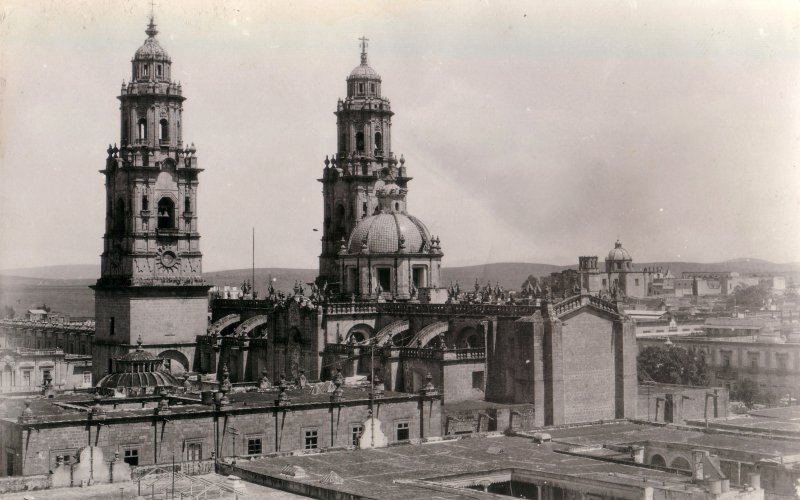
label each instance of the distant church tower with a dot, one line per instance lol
(151, 287)
(364, 194)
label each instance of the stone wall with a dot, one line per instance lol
(156, 439)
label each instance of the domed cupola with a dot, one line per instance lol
(363, 80)
(138, 373)
(151, 62)
(618, 259)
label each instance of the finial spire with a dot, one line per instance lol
(151, 28)
(364, 41)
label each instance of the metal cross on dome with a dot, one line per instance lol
(364, 41)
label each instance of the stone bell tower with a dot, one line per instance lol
(364, 157)
(151, 286)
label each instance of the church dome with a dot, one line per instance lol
(364, 71)
(618, 253)
(151, 49)
(384, 232)
(138, 372)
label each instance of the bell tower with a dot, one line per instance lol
(151, 285)
(364, 157)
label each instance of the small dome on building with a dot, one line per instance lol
(151, 49)
(138, 372)
(364, 71)
(384, 232)
(619, 253)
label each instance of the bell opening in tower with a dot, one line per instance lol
(166, 213)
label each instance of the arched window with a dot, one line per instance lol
(658, 460)
(142, 129)
(360, 141)
(680, 463)
(187, 204)
(166, 213)
(158, 70)
(397, 206)
(378, 141)
(163, 130)
(145, 202)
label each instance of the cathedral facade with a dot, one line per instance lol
(151, 285)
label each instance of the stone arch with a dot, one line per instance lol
(175, 361)
(248, 327)
(428, 333)
(223, 323)
(390, 330)
(658, 461)
(681, 463)
(469, 337)
(359, 333)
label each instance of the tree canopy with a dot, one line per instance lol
(749, 297)
(672, 365)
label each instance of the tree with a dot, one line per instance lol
(672, 365)
(749, 297)
(745, 391)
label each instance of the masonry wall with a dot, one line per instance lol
(157, 439)
(588, 367)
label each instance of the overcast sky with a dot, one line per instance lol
(534, 131)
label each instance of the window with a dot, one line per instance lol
(372, 87)
(26, 377)
(194, 451)
(378, 141)
(145, 202)
(418, 275)
(187, 204)
(310, 440)
(46, 374)
(9, 463)
(111, 326)
(397, 206)
(726, 360)
(781, 358)
(158, 70)
(364, 209)
(356, 430)
(754, 360)
(144, 70)
(401, 431)
(385, 278)
(360, 88)
(360, 141)
(87, 378)
(163, 130)
(166, 213)
(142, 129)
(131, 456)
(477, 380)
(254, 446)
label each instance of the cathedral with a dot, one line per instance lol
(372, 248)
(151, 287)
(377, 310)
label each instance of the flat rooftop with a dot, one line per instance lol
(395, 472)
(629, 433)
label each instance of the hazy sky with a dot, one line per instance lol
(534, 131)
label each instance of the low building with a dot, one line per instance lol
(24, 370)
(147, 430)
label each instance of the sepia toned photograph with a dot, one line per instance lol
(389, 250)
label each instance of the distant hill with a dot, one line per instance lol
(76, 271)
(66, 288)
